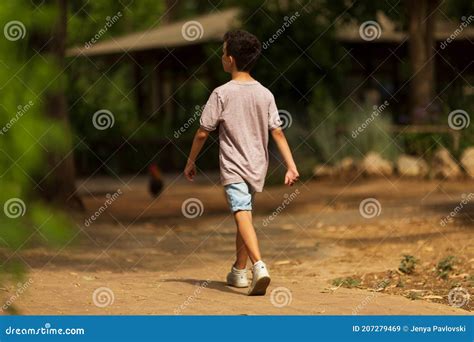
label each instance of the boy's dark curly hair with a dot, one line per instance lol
(244, 47)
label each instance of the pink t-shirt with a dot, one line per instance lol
(244, 113)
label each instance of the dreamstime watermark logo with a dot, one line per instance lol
(191, 298)
(20, 112)
(370, 208)
(286, 202)
(458, 297)
(449, 218)
(14, 30)
(47, 329)
(281, 297)
(283, 119)
(103, 119)
(370, 30)
(20, 288)
(192, 30)
(108, 202)
(103, 296)
(192, 208)
(14, 208)
(458, 119)
(465, 22)
(288, 21)
(196, 115)
(109, 22)
(375, 113)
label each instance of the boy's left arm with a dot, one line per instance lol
(198, 142)
(292, 174)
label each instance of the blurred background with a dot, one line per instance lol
(110, 88)
(150, 65)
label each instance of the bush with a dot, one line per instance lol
(408, 264)
(445, 266)
(26, 141)
(376, 136)
(342, 132)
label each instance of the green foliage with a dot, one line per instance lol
(27, 137)
(325, 122)
(376, 136)
(445, 266)
(302, 72)
(99, 89)
(98, 83)
(408, 264)
(340, 131)
(426, 143)
(86, 18)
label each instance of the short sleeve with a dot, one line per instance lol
(211, 114)
(274, 120)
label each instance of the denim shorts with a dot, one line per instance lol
(239, 196)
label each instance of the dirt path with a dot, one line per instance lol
(153, 260)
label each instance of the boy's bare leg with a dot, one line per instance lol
(241, 252)
(243, 219)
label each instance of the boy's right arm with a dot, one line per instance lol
(198, 142)
(292, 174)
(209, 121)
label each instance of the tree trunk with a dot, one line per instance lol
(431, 19)
(59, 183)
(421, 26)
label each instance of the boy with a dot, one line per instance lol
(245, 111)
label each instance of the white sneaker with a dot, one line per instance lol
(237, 278)
(261, 279)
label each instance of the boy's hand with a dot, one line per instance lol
(291, 176)
(190, 171)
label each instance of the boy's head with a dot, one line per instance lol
(241, 50)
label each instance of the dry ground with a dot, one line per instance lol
(153, 260)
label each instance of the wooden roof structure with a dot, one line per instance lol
(350, 32)
(212, 27)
